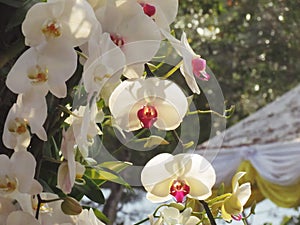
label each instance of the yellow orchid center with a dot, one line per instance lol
(38, 75)
(147, 115)
(7, 184)
(18, 126)
(98, 78)
(179, 189)
(52, 29)
(44, 207)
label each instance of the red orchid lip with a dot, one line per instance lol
(179, 189)
(147, 115)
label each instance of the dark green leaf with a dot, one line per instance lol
(101, 216)
(91, 190)
(101, 175)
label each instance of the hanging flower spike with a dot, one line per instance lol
(139, 103)
(233, 205)
(132, 31)
(184, 175)
(70, 22)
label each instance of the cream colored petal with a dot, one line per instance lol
(24, 170)
(170, 213)
(168, 116)
(243, 193)
(226, 216)
(198, 189)
(232, 205)
(155, 176)
(157, 199)
(64, 181)
(17, 78)
(20, 218)
(32, 25)
(186, 71)
(61, 63)
(235, 181)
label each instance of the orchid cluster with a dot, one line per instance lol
(103, 54)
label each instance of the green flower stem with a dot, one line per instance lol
(142, 221)
(208, 212)
(173, 70)
(81, 54)
(218, 198)
(230, 111)
(146, 219)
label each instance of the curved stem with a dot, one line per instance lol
(173, 70)
(81, 54)
(208, 212)
(218, 198)
(230, 110)
(142, 221)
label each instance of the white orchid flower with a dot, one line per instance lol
(179, 176)
(7, 205)
(50, 213)
(193, 65)
(30, 110)
(70, 22)
(43, 68)
(233, 205)
(105, 63)
(130, 29)
(84, 124)
(148, 102)
(87, 217)
(17, 178)
(20, 218)
(172, 216)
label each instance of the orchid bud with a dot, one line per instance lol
(71, 206)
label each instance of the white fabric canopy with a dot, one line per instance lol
(269, 139)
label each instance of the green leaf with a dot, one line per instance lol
(91, 190)
(101, 175)
(116, 166)
(101, 216)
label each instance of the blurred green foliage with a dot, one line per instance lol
(252, 47)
